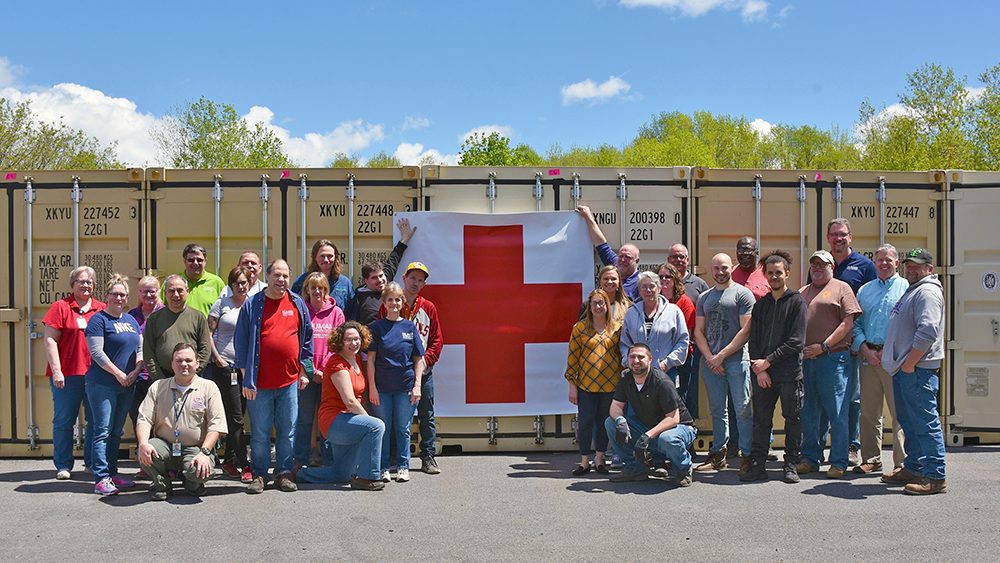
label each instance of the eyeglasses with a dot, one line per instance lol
(84, 282)
(148, 291)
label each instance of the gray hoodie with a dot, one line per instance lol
(917, 321)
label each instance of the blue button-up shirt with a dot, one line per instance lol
(877, 298)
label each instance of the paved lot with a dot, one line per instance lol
(512, 507)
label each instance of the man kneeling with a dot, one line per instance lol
(648, 417)
(185, 416)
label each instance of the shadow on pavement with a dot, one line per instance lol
(851, 491)
(651, 486)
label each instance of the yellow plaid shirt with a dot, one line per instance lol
(595, 362)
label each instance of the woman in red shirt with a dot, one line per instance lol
(672, 287)
(68, 360)
(355, 438)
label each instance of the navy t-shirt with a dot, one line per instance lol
(856, 270)
(121, 340)
(395, 343)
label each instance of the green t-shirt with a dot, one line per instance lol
(202, 294)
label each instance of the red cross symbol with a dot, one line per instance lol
(495, 313)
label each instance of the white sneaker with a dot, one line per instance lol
(403, 475)
(62, 474)
(385, 477)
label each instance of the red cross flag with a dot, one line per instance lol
(508, 289)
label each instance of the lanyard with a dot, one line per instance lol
(179, 411)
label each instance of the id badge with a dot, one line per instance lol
(81, 323)
(176, 452)
(232, 378)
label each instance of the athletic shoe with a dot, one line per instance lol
(384, 477)
(790, 474)
(429, 466)
(105, 487)
(122, 483)
(285, 484)
(926, 487)
(256, 486)
(403, 475)
(63, 474)
(246, 474)
(853, 457)
(160, 495)
(230, 470)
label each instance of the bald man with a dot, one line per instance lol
(722, 328)
(627, 259)
(693, 285)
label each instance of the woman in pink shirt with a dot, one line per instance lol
(325, 315)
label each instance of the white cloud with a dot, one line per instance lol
(410, 154)
(751, 10)
(762, 127)
(975, 92)
(8, 72)
(589, 91)
(754, 11)
(415, 122)
(861, 129)
(504, 130)
(317, 149)
(107, 118)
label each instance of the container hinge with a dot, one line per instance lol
(575, 192)
(29, 190)
(217, 188)
(265, 192)
(539, 426)
(303, 188)
(758, 194)
(491, 187)
(880, 192)
(351, 191)
(801, 195)
(838, 190)
(622, 191)
(492, 427)
(538, 192)
(76, 195)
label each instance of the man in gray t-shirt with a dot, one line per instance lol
(722, 327)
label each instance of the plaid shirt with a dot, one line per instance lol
(594, 363)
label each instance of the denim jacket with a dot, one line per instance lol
(247, 338)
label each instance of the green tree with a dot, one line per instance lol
(341, 160)
(493, 149)
(986, 121)
(209, 134)
(383, 159)
(27, 143)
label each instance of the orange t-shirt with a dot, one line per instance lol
(331, 403)
(828, 307)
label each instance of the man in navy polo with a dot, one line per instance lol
(854, 269)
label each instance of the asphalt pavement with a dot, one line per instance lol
(506, 507)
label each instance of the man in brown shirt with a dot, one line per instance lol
(826, 361)
(180, 421)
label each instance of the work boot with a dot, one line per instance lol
(745, 464)
(901, 476)
(256, 486)
(806, 467)
(790, 474)
(926, 487)
(715, 462)
(753, 472)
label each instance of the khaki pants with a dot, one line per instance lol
(158, 472)
(876, 384)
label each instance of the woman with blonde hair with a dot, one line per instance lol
(609, 279)
(114, 342)
(592, 370)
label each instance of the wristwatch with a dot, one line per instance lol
(826, 348)
(206, 451)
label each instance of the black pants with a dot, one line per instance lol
(235, 405)
(764, 400)
(141, 389)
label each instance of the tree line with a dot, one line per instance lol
(938, 123)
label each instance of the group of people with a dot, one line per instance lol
(337, 372)
(831, 352)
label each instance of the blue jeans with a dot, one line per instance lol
(308, 403)
(66, 406)
(277, 408)
(735, 385)
(915, 395)
(825, 380)
(687, 376)
(395, 410)
(425, 416)
(109, 406)
(592, 409)
(356, 443)
(672, 444)
(854, 410)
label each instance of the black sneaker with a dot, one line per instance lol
(429, 466)
(754, 472)
(790, 475)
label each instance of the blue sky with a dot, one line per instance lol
(413, 78)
